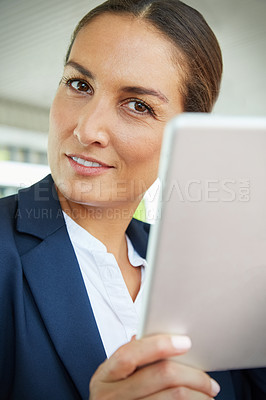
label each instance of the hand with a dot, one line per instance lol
(141, 370)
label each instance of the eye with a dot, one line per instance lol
(139, 107)
(79, 85)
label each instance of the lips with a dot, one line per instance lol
(88, 161)
(86, 166)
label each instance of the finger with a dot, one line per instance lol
(138, 353)
(167, 374)
(178, 394)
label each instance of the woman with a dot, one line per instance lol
(73, 260)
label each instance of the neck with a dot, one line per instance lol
(109, 226)
(106, 224)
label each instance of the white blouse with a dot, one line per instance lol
(117, 316)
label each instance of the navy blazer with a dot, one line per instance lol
(49, 341)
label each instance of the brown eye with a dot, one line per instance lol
(138, 106)
(80, 86)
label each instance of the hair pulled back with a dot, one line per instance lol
(201, 59)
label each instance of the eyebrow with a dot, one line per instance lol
(79, 68)
(132, 89)
(147, 91)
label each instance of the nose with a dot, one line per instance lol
(94, 124)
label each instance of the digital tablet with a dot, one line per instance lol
(206, 274)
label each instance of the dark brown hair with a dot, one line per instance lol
(201, 59)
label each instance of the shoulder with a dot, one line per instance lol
(8, 204)
(24, 221)
(8, 218)
(8, 211)
(9, 260)
(10, 264)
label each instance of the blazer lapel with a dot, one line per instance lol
(56, 283)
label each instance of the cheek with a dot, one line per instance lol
(57, 127)
(150, 148)
(141, 144)
(53, 135)
(60, 124)
(58, 117)
(144, 159)
(153, 151)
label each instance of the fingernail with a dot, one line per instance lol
(215, 387)
(181, 342)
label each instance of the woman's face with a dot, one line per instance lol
(119, 88)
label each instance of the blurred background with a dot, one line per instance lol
(34, 37)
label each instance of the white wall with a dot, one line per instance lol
(240, 26)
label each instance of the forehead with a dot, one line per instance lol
(124, 46)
